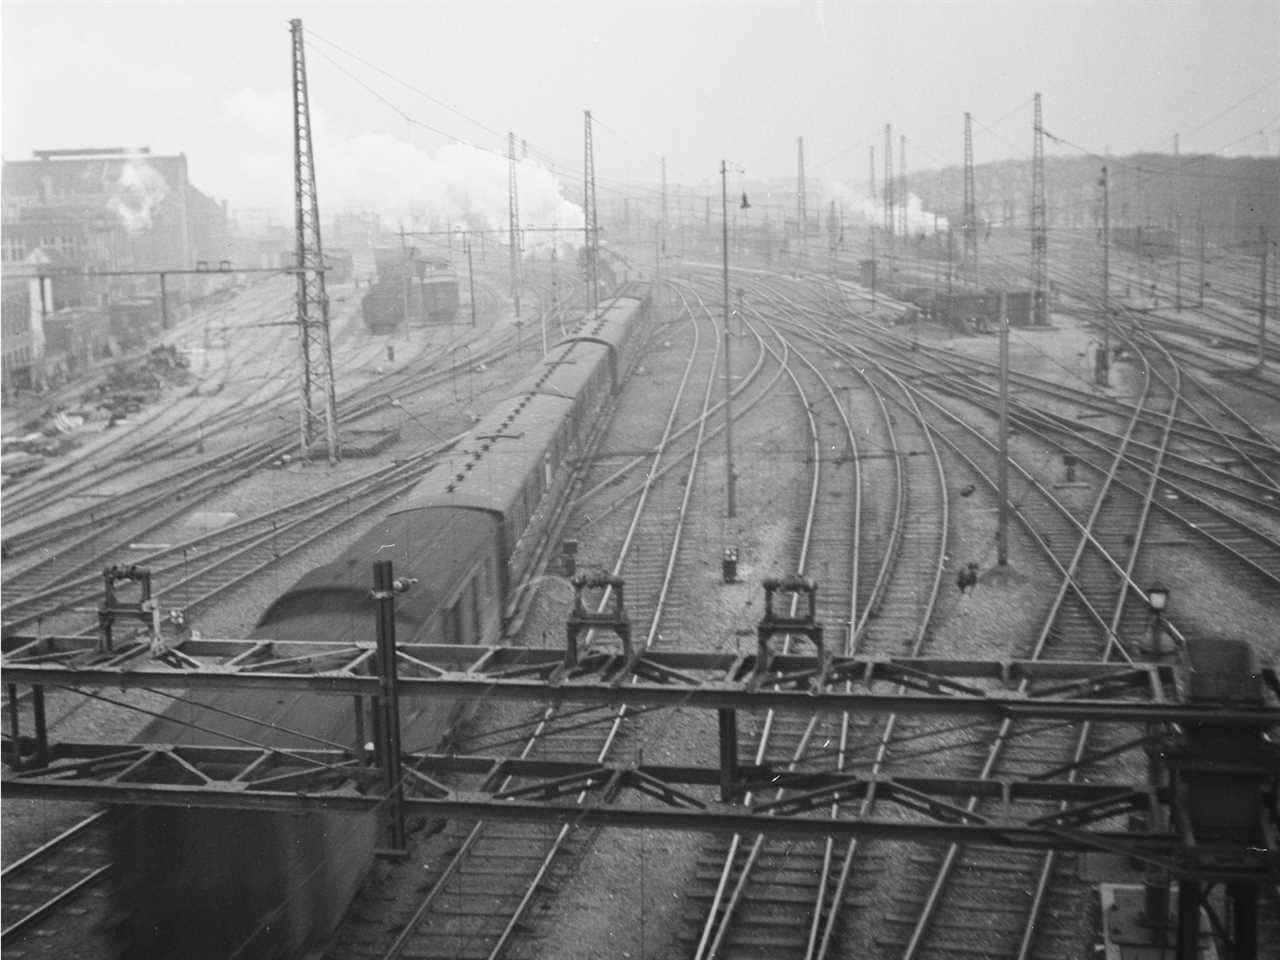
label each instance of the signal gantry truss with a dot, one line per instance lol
(1146, 697)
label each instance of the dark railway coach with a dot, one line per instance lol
(423, 289)
(202, 883)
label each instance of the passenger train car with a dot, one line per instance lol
(199, 883)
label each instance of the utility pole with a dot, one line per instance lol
(319, 412)
(871, 191)
(1002, 517)
(662, 221)
(832, 235)
(802, 201)
(732, 508)
(555, 265)
(970, 226)
(471, 281)
(1039, 223)
(1262, 304)
(871, 180)
(592, 231)
(875, 270)
(513, 221)
(1103, 373)
(902, 192)
(889, 206)
(1200, 278)
(1177, 225)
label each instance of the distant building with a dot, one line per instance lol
(67, 211)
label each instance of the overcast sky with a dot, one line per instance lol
(693, 81)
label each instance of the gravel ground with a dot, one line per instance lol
(625, 900)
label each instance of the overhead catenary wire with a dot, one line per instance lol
(554, 165)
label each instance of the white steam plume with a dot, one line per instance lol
(136, 195)
(919, 220)
(458, 186)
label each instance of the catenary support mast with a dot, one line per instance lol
(902, 192)
(888, 183)
(318, 414)
(592, 233)
(1039, 222)
(970, 224)
(513, 220)
(802, 199)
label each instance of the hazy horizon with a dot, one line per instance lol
(402, 93)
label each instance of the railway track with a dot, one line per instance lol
(87, 538)
(427, 927)
(55, 876)
(486, 885)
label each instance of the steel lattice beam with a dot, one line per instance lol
(1061, 690)
(925, 808)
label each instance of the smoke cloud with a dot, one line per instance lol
(457, 186)
(136, 195)
(919, 220)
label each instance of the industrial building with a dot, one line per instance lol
(106, 210)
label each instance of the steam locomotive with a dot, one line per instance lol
(218, 883)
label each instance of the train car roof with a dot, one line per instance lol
(564, 371)
(487, 469)
(432, 546)
(611, 326)
(610, 318)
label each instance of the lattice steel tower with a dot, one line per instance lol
(318, 415)
(1039, 222)
(513, 220)
(591, 223)
(970, 224)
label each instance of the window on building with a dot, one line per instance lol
(14, 248)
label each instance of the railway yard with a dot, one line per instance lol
(860, 460)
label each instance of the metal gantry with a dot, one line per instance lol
(319, 412)
(1204, 727)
